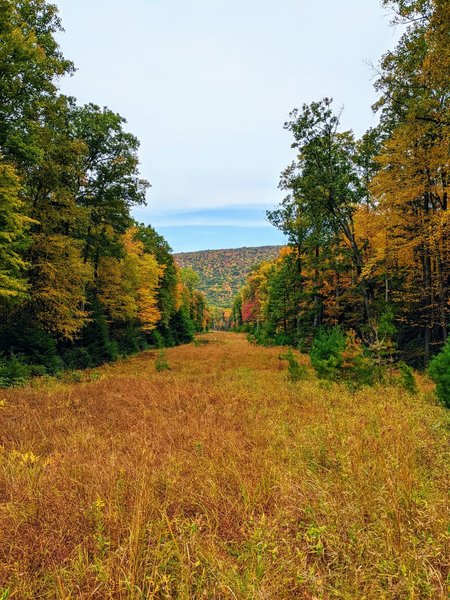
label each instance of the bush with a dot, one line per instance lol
(155, 339)
(161, 363)
(339, 356)
(251, 338)
(357, 368)
(439, 371)
(36, 347)
(200, 342)
(38, 371)
(129, 338)
(77, 358)
(407, 379)
(283, 339)
(13, 371)
(326, 353)
(182, 327)
(296, 371)
(96, 341)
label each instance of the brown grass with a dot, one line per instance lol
(220, 479)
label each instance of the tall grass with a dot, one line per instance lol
(221, 479)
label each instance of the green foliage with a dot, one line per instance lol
(326, 352)
(182, 328)
(129, 338)
(357, 368)
(296, 371)
(198, 342)
(4, 593)
(39, 347)
(381, 342)
(407, 379)
(337, 356)
(80, 281)
(439, 371)
(77, 358)
(13, 371)
(96, 339)
(12, 222)
(161, 363)
(156, 340)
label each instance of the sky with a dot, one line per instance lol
(206, 86)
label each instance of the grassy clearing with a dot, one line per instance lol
(219, 478)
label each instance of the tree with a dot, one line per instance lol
(110, 185)
(30, 65)
(412, 184)
(168, 293)
(59, 277)
(12, 222)
(327, 185)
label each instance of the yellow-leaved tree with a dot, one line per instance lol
(12, 221)
(128, 287)
(59, 277)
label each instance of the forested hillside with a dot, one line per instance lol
(222, 272)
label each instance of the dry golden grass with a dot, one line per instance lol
(220, 479)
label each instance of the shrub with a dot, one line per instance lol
(39, 347)
(161, 363)
(182, 327)
(155, 339)
(439, 371)
(380, 339)
(357, 368)
(38, 371)
(407, 379)
(296, 371)
(251, 338)
(283, 339)
(13, 371)
(339, 356)
(326, 353)
(96, 340)
(129, 338)
(77, 358)
(200, 342)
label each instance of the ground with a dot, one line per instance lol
(220, 479)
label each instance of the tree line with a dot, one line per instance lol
(80, 281)
(367, 219)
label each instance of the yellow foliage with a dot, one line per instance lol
(150, 274)
(128, 286)
(60, 278)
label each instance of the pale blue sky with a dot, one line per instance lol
(206, 85)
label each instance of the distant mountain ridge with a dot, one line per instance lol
(223, 272)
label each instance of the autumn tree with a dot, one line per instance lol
(412, 185)
(327, 184)
(12, 222)
(111, 184)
